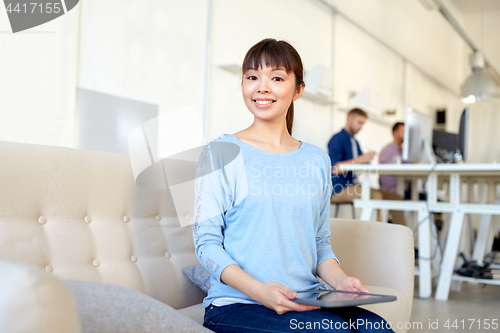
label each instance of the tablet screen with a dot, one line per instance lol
(335, 298)
(329, 296)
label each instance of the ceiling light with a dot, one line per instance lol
(479, 86)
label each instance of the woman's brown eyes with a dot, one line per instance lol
(251, 77)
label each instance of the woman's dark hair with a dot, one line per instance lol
(276, 54)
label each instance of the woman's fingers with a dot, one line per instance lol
(289, 305)
(364, 290)
(352, 284)
(285, 304)
(290, 294)
(359, 286)
(304, 307)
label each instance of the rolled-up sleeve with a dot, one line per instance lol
(212, 201)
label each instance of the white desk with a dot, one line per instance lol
(456, 174)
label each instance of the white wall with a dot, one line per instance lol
(484, 119)
(483, 30)
(421, 36)
(154, 51)
(151, 51)
(37, 81)
(361, 61)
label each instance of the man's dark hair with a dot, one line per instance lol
(396, 126)
(358, 112)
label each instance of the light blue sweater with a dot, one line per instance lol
(268, 213)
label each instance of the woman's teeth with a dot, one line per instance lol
(263, 102)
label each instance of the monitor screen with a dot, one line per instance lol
(445, 146)
(444, 140)
(418, 137)
(463, 133)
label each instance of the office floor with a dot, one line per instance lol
(473, 305)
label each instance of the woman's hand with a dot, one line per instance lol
(277, 297)
(348, 283)
(330, 271)
(272, 295)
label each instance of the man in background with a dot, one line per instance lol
(344, 148)
(392, 153)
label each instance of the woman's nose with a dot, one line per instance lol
(263, 87)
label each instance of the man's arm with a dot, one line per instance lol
(365, 158)
(362, 159)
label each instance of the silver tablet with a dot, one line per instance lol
(335, 298)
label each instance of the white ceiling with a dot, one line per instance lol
(474, 6)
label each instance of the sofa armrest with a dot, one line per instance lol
(379, 254)
(32, 300)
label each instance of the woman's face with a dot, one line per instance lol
(268, 92)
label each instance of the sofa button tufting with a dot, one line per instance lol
(87, 219)
(126, 219)
(187, 217)
(42, 220)
(96, 263)
(49, 269)
(133, 258)
(168, 255)
(158, 218)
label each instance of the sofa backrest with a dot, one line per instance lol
(80, 215)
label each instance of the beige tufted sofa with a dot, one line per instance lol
(68, 214)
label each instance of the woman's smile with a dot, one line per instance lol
(263, 103)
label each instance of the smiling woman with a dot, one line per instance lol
(273, 75)
(262, 226)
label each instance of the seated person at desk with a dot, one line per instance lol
(392, 153)
(343, 148)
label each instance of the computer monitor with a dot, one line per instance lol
(463, 134)
(445, 145)
(444, 140)
(418, 137)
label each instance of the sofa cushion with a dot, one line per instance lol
(111, 308)
(199, 275)
(195, 312)
(32, 300)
